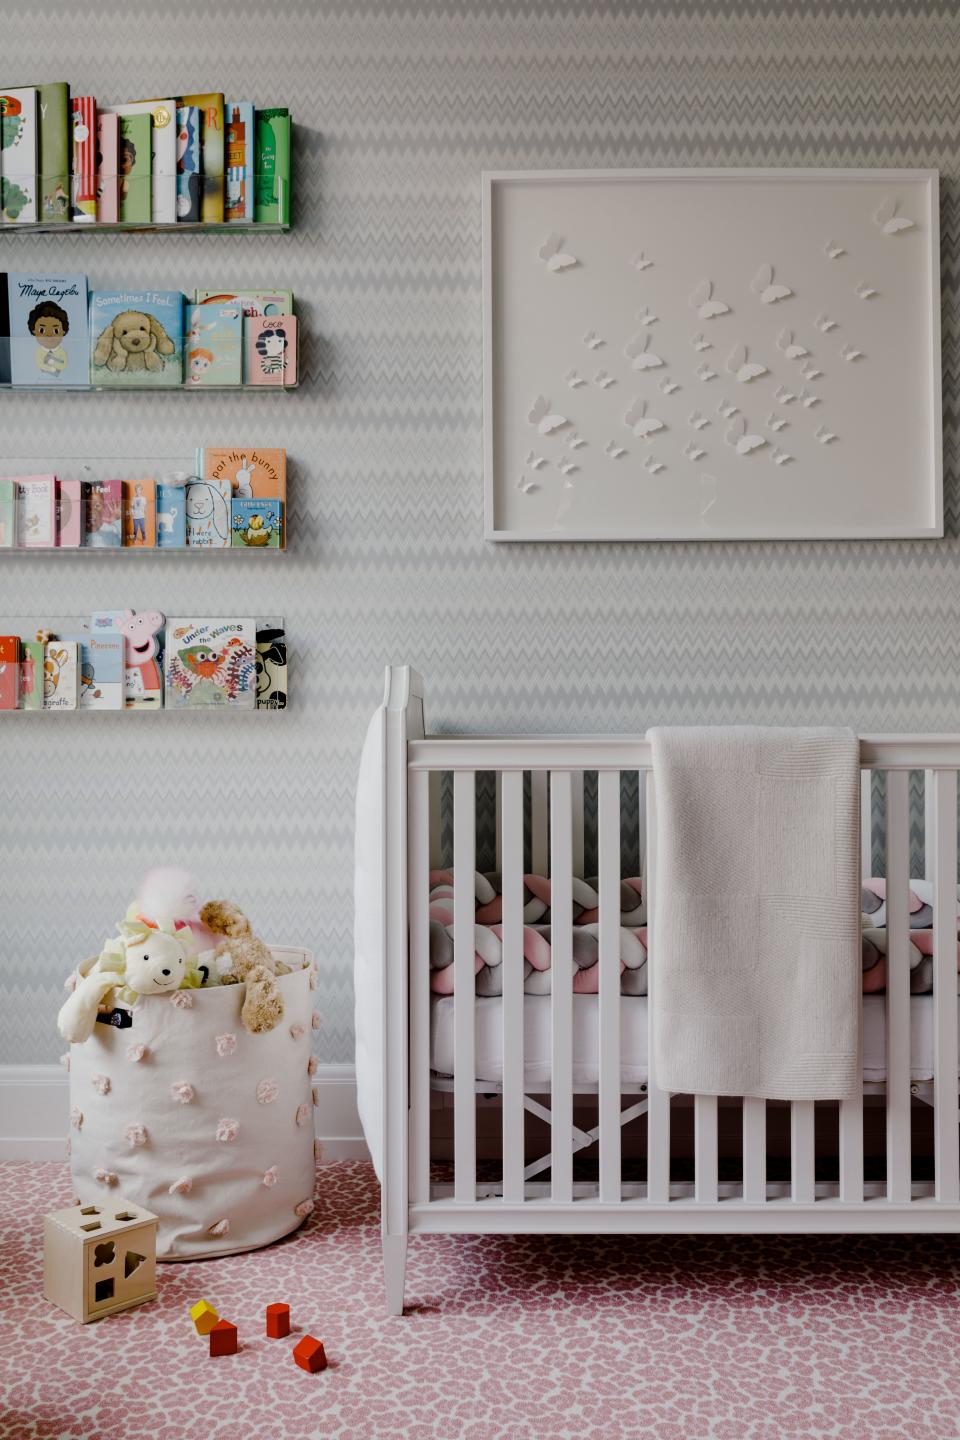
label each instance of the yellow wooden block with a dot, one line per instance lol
(204, 1317)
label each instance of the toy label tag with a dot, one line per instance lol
(121, 1019)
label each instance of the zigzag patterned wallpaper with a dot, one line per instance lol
(398, 108)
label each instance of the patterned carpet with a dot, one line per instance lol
(505, 1338)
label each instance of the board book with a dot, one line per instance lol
(103, 518)
(31, 674)
(171, 504)
(271, 350)
(241, 153)
(211, 154)
(18, 156)
(108, 168)
(136, 337)
(139, 514)
(69, 514)
(256, 524)
(208, 513)
(83, 178)
(134, 168)
(54, 148)
(271, 664)
(101, 668)
(272, 199)
(61, 675)
(9, 672)
(214, 344)
(37, 512)
(188, 163)
(48, 329)
(210, 662)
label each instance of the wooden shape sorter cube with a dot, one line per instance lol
(101, 1258)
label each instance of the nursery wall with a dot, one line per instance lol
(398, 107)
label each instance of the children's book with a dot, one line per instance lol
(31, 674)
(210, 662)
(101, 668)
(161, 116)
(83, 142)
(211, 154)
(271, 350)
(272, 199)
(8, 514)
(108, 168)
(48, 328)
(61, 675)
(214, 344)
(171, 515)
(208, 513)
(188, 162)
(253, 472)
(9, 672)
(136, 337)
(241, 151)
(4, 331)
(139, 514)
(256, 524)
(54, 146)
(18, 156)
(37, 512)
(271, 664)
(103, 522)
(70, 509)
(134, 168)
(254, 302)
(142, 653)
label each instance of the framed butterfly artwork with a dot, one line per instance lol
(712, 355)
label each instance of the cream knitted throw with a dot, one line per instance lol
(755, 949)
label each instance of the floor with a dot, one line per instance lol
(505, 1338)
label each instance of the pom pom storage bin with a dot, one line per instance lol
(141, 1125)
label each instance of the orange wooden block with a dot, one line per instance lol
(309, 1354)
(223, 1338)
(278, 1321)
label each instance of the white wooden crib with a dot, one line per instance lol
(398, 828)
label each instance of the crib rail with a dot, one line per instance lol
(540, 814)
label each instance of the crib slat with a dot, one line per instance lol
(498, 820)
(577, 792)
(898, 987)
(942, 784)
(705, 1152)
(561, 987)
(419, 909)
(801, 1151)
(436, 819)
(539, 780)
(851, 1110)
(754, 1150)
(608, 869)
(512, 1002)
(866, 823)
(464, 911)
(658, 1101)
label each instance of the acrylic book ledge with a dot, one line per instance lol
(87, 225)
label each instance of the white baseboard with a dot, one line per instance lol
(34, 1108)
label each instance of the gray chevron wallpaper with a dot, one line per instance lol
(398, 107)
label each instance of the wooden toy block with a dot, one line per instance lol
(223, 1338)
(309, 1354)
(99, 1258)
(278, 1321)
(204, 1317)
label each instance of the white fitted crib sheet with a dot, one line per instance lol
(633, 1038)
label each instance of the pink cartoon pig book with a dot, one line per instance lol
(143, 675)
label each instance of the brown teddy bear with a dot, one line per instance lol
(242, 958)
(133, 340)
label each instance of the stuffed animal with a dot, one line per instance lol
(242, 957)
(143, 961)
(168, 896)
(133, 340)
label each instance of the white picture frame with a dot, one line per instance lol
(855, 261)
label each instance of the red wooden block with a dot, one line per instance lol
(223, 1338)
(309, 1354)
(278, 1321)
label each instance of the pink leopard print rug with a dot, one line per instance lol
(505, 1338)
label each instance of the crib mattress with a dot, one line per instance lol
(633, 1038)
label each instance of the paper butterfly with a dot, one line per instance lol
(643, 358)
(779, 456)
(808, 399)
(850, 352)
(790, 347)
(566, 467)
(833, 251)
(763, 285)
(555, 258)
(526, 484)
(744, 369)
(653, 464)
(783, 395)
(726, 409)
(864, 291)
(574, 441)
(540, 415)
(693, 451)
(699, 343)
(668, 385)
(824, 435)
(697, 421)
(810, 372)
(603, 380)
(704, 372)
(889, 221)
(535, 461)
(702, 301)
(640, 261)
(642, 425)
(776, 422)
(824, 323)
(573, 379)
(614, 450)
(593, 341)
(647, 317)
(739, 437)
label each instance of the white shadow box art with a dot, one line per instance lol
(712, 354)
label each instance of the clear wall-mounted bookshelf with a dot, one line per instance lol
(88, 224)
(167, 469)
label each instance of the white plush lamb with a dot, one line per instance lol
(145, 960)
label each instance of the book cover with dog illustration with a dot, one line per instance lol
(48, 329)
(210, 662)
(134, 169)
(136, 337)
(18, 156)
(171, 515)
(271, 664)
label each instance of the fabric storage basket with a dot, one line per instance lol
(210, 1127)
